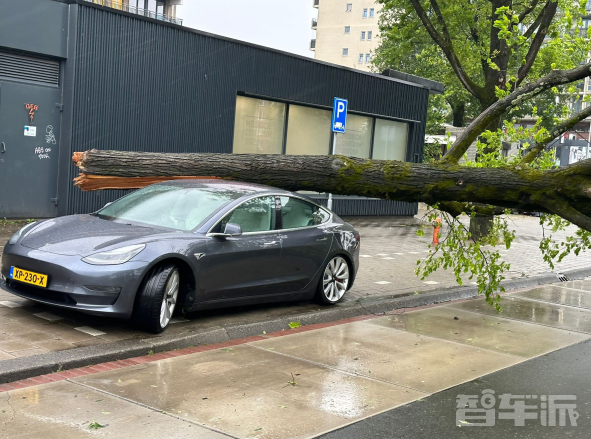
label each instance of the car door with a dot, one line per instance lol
(245, 265)
(305, 243)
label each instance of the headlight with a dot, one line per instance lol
(114, 257)
(20, 233)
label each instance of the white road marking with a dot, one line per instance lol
(430, 282)
(48, 316)
(365, 256)
(388, 258)
(383, 282)
(90, 331)
(9, 304)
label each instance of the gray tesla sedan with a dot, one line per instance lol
(185, 244)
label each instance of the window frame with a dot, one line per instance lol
(345, 51)
(210, 232)
(321, 207)
(347, 30)
(360, 60)
(371, 12)
(349, 7)
(364, 15)
(362, 35)
(369, 35)
(278, 220)
(367, 61)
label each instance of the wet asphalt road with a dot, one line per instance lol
(563, 372)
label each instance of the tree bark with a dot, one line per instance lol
(565, 192)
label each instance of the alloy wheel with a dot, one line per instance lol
(170, 297)
(335, 279)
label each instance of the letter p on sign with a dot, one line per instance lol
(339, 115)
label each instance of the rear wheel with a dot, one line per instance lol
(157, 298)
(334, 281)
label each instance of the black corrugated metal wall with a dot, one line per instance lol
(145, 86)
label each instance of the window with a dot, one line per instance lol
(364, 12)
(258, 128)
(308, 131)
(349, 7)
(356, 141)
(345, 51)
(371, 13)
(588, 84)
(390, 140)
(296, 213)
(363, 36)
(347, 29)
(369, 35)
(367, 57)
(254, 215)
(361, 58)
(174, 207)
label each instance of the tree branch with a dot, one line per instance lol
(547, 15)
(455, 208)
(528, 10)
(553, 79)
(444, 42)
(556, 131)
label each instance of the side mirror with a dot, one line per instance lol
(232, 230)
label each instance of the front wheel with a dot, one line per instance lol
(334, 281)
(157, 298)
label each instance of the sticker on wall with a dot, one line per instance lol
(49, 136)
(32, 109)
(30, 131)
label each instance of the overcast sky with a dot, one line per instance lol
(281, 24)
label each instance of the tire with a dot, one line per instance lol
(157, 298)
(334, 282)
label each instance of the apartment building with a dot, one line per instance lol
(165, 10)
(347, 32)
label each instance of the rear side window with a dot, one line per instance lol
(298, 213)
(254, 215)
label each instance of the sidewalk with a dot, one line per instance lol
(389, 249)
(303, 382)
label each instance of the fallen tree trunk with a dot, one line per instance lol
(565, 192)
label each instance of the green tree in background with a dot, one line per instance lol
(479, 49)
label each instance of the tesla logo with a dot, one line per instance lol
(31, 108)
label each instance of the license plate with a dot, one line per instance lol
(28, 277)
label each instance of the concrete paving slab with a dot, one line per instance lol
(549, 314)
(65, 410)
(558, 294)
(416, 361)
(494, 333)
(251, 393)
(584, 284)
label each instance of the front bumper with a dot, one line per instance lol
(93, 289)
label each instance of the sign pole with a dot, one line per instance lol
(334, 148)
(339, 122)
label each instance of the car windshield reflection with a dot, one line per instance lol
(173, 207)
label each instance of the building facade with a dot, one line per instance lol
(165, 10)
(75, 75)
(347, 32)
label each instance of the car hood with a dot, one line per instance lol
(83, 235)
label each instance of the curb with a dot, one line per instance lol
(26, 367)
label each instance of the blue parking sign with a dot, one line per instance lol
(339, 115)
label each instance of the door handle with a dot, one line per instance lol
(3, 149)
(270, 243)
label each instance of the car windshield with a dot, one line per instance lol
(173, 207)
